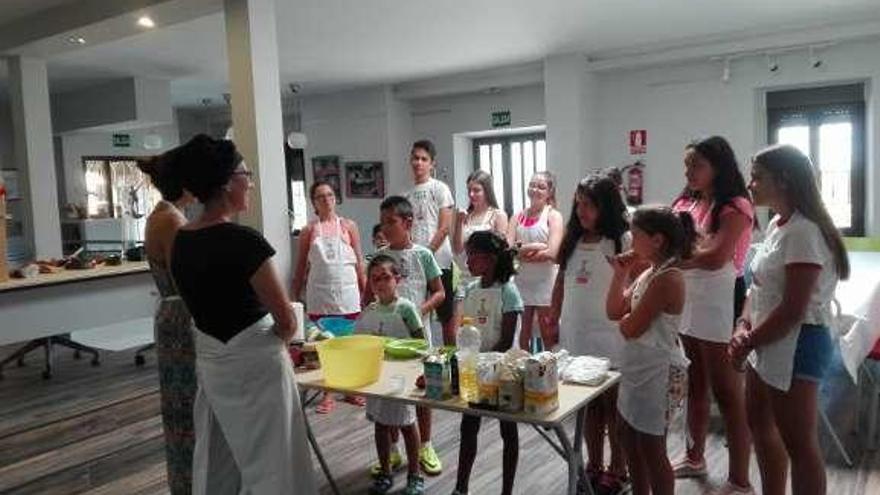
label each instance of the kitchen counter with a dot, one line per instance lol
(73, 276)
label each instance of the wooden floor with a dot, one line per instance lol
(98, 431)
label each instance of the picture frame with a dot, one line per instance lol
(365, 179)
(326, 168)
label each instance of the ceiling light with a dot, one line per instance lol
(725, 70)
(76, 40)
(772, 63)
(815, 61)
(146, 21)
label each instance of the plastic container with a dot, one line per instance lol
(351, 362)
(467, 341)
(338, 326)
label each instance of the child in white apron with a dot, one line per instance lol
(493, 303)
(718, 202)
(652, 364)
(597, 231)
(398, 317)
(536, 232)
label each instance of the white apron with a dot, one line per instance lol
(483, 305)
(332, 285)
(648, 364)
(708, 308)
(414, 286)
(249, 424)
(584, 327)
(535, 280)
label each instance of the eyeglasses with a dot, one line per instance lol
(247, 173)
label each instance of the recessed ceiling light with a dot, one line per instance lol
(146, 21)
(76, 40)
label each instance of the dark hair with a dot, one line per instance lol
(206, 165)
(484, 179)
(611, 224)
(486, 241)
(677, 228)
(399, 205)
(550, 179)
(377, 229)
(791, 168)
(427, 146)
(728, 182)
(164, 174)
(383, 259)
(316, 185)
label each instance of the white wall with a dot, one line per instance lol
(679, 103)
(355, 126)
(77, 145)
(440, 118)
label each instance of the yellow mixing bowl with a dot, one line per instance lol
(351, 362)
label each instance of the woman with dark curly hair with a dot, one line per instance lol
(250, 429)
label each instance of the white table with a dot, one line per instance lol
(573, 400)
(859, 299)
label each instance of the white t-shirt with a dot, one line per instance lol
(798, 240)
(427, 200)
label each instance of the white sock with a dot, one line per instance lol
(426, 445)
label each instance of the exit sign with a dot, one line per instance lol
(501, 119)
(122, 140)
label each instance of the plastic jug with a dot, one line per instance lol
(467, 341)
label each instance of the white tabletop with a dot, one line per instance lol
(571, 397)
(859, 299)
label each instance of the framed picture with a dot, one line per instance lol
(364, 179)
(10, 181)
(326, 168)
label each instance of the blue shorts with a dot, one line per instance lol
(812, 358)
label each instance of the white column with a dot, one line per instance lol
(252, 49)
(569, 100)
(32, 131)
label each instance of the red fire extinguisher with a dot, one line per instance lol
(635, 175)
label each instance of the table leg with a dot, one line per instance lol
(550, 441)
(573, 452)
(317, 449)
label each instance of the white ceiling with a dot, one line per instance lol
(12, 10)
(329, 44)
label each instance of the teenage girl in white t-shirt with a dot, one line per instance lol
(536, 232)
(784, 329)
(597, 230)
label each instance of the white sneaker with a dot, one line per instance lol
(729, 488)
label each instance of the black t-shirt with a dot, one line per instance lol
(212, 268)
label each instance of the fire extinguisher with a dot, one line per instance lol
(635, 176)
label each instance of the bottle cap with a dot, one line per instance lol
(467, 320)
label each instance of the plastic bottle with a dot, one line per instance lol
(467, 341)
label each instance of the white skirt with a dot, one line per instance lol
(389, 412)
(708, 310)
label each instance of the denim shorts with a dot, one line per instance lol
(812, 358)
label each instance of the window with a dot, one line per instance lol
(297, 204)
(512, 160)
(115, 186)
(827, 124)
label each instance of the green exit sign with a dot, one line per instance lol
(501, 119)
(122, 140)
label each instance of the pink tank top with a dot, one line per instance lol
(701, 213)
